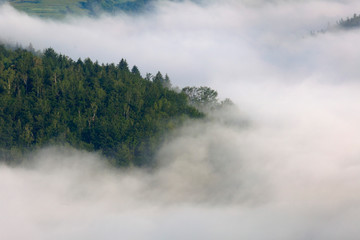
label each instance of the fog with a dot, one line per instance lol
(282, 164)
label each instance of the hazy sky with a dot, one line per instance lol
(283, 165)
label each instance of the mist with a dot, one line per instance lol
(282, 164)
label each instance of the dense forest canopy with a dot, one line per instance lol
(49, 98)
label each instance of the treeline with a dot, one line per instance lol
(353, 22)
(49, 98)
(350, 23)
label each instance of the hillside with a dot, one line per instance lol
(49, 8)
(51, 99)
(58, 9)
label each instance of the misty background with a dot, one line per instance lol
(282, 164)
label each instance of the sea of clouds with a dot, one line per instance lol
(284, 163)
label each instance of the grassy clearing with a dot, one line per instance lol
(60, 8)
(49, 8)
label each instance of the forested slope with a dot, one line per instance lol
(52, 99)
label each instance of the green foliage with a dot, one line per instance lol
(204, 98)
(201, 97)
(162, 81)
(51, 99)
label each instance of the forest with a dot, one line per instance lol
(47, 98)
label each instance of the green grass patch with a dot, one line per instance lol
(49, 8)
(58, 9)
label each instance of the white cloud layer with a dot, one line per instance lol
(285, 167)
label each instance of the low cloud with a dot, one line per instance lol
(218, 43)
(225, 177)
(283, 165)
